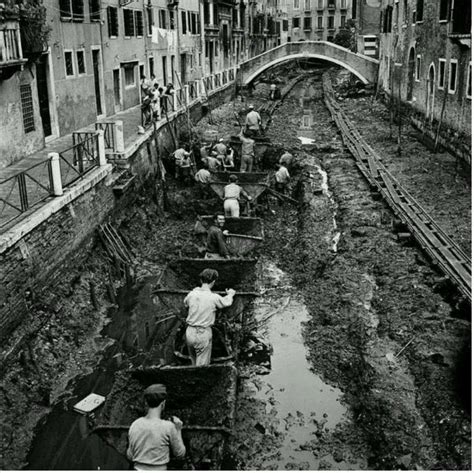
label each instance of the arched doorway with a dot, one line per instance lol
(411, 74)
(430, 93)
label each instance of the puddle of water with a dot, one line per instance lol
(296, 398)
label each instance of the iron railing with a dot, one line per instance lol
(109, 133)
(80, 158)
(22, 191)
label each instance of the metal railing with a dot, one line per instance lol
(108, 127)
(80, 158)
(22, 191)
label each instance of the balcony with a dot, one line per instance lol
(11, 56)
(211, 30)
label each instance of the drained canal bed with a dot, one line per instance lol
(349, 359)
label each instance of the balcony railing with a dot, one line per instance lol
(11, 56)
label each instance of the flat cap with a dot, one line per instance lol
(159, 389)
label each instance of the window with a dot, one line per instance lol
(331, 3)
(94, 10)
(441, 73)
(149, 20)
(405, 11)
(320, 22)
(343, 21)
(296, 4)
(285, 25)
(112, 22)
(81, 62)
(27, 109)
(171, 20)
(418, 68)
(330, 38)
(444, 10)
(296, 22)
(151, 66)
(307, 23)
(129, 76)
(162, 19)
(331, 22)
(413, 17)
(343, 4)
(419, 10)
(320, 4)
(461, 17)
(307, 4)
(387, 20)
(453, 76)
(71, 10)
(469, 82)
(128, 22)
(69, 63)
(183, 22)
(138, 23)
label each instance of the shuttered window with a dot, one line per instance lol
(128, 21)
(112, 21)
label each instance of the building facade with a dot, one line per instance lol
(317, 20)
(425, 59)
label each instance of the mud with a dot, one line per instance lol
(383, 365)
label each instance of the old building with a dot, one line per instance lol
(317, 20)
(21, 108)
(425, 61)
(366, 15)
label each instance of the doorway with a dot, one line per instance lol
(411, 74)
(172, 70)
(96, 66)
(430, 93)
(165, 71)
(43, 94)
(117, 91)
(183, 69)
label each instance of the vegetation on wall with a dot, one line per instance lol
(346, 37)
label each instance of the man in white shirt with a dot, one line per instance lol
(232, 193)
(253, 121)
(179, 156)
(151, 438)
(282, 178)
(202, 304)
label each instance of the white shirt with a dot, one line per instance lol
(282, 175)
(202, 304)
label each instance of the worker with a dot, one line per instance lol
(202, 304)
(232, 193)
(151, 439)
(213, 163)
(253, 122)
(247, 152)
(185, 169)
(275, 93)
(179, 156)
(221, 151)
(229, 159)
(204, 152)
(203, 178)
(286, 159)
(216, 247)
(282, 178)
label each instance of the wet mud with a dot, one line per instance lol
(351, 359)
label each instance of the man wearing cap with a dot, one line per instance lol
(221, 150)
(151, 438)
(202, 304)
(232, 193)
(253, 121)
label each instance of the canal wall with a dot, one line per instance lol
(41, 251)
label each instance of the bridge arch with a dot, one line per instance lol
(363, 67)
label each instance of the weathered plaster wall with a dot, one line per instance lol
(14, 142)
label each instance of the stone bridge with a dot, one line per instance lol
(363, 67)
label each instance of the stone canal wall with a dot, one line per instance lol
(40, 251)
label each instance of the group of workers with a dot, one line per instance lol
(151, 438)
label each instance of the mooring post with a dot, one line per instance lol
(56, 184)
(101, 147)
(119, 141)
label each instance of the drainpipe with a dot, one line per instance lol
(178, 49)
(203, 38)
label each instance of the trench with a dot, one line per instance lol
(295, 396)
